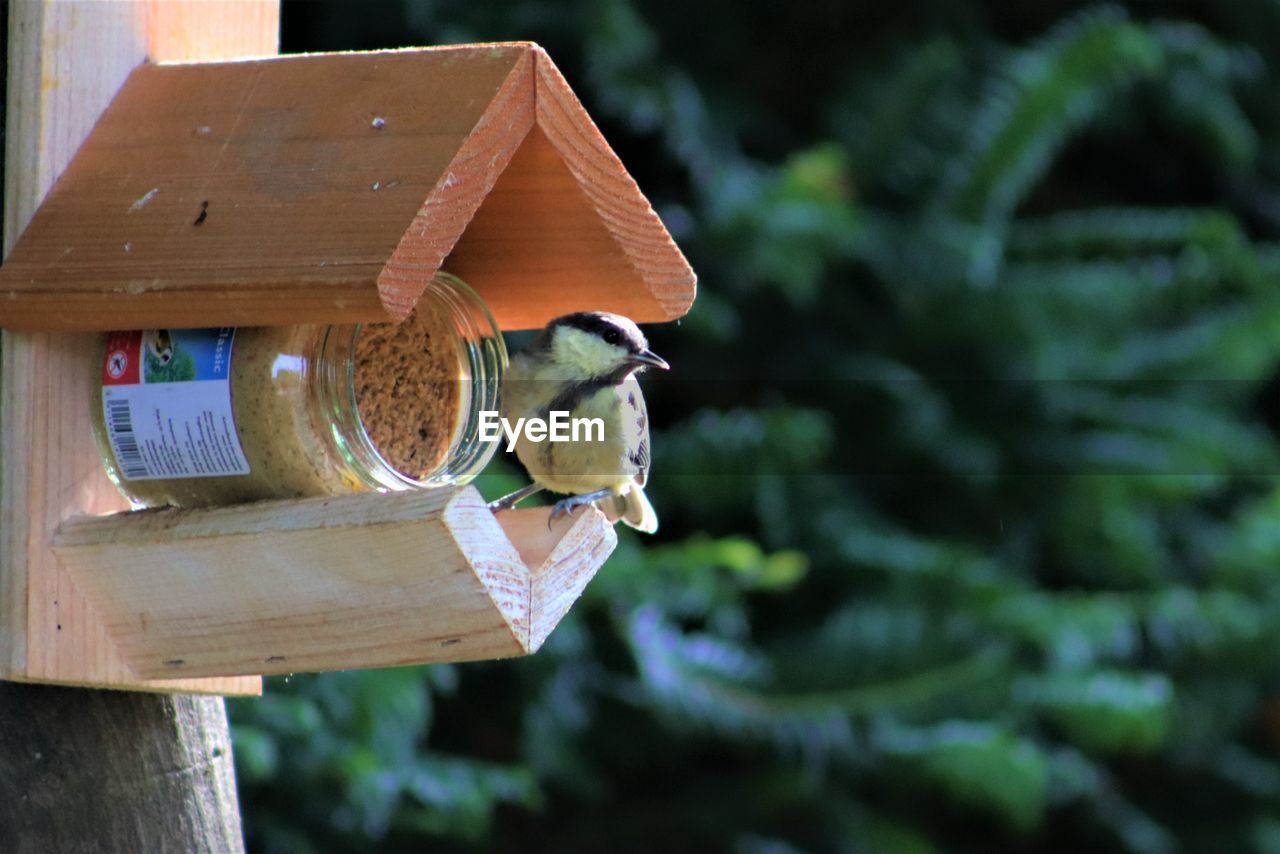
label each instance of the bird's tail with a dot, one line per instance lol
(633, 508)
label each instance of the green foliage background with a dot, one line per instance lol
(966, 470)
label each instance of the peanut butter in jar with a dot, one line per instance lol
(196, 418)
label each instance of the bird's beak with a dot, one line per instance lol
(650, 358)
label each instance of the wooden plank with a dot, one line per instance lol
(555, 555)
(566, 228)
(66, 62)
(55, 94)
(461, 189)
(613, 192)
(208, 30)
(535, 537)
(537, 246)
(302, 189)
(69, 58)
(562, 557)
(330, 187)
(327, 583)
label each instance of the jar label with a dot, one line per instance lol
(166, 397)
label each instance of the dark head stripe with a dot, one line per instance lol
(597, 323)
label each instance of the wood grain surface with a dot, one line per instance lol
(330, 187)
(331, 583)
(67, 60)
(307, 188)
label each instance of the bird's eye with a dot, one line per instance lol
(612, 336)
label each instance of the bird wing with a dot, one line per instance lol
(635, 427)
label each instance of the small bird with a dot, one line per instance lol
(585, 364)
(160, 344)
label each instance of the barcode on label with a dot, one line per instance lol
(123, 440)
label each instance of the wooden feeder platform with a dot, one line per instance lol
(165, 169)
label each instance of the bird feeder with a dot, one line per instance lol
(321, 188)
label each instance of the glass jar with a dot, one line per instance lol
(210, 417)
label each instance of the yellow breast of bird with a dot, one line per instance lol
(600, 459)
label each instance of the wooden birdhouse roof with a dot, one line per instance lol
(330, 187)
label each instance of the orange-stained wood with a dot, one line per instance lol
(460, 190)
(567, 229)
(269, 192)
(613, 193)
(536, 248)
(329, 188)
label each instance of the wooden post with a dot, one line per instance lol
(144, 772)
(147, 773)
(67, 60)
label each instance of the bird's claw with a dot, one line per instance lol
(566, 506)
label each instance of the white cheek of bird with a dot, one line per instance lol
(556, 427)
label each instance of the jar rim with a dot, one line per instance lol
(469, 311)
